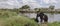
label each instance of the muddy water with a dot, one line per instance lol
(51, 17)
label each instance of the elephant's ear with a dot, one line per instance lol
(36, 20)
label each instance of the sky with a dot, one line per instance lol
(31, 3)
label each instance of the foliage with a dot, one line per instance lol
(52, 7)
(54, 24)
(19, 21)
(25, 7)
(11, 10)
(6, 13)
(8, 18)
(35, 8)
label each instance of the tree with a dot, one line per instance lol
(25, 7)
(39, 9)
(51, 7)
(35, 9)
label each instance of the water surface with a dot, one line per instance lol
(51, 17)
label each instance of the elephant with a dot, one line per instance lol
(42, 16)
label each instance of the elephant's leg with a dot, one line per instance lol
(41, 20)
(45, 19)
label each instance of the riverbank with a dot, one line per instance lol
(9, 18)
(39, 11)
(54, 24)
(51, 24)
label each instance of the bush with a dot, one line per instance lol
(12, 19)
(54, 24)
(18, 21)
(4, 14)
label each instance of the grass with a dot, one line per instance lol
(51, 24)
(19, 21)
(54, 24)
(8, 18)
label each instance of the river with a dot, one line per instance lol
(51, 17)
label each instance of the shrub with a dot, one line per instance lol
(54, 24)
(4, 14)
(19, 21)
(8, 18)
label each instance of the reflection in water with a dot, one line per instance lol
(51, 17)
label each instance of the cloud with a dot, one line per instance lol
(9, 4)
(2, 0)
(32, 3)
(50, 1)
(43, 3)
(46, 1)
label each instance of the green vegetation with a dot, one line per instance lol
(11, 18)
(51, 7)
(25, 7)
(54, 24)
(18, 21)
(8, 18)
